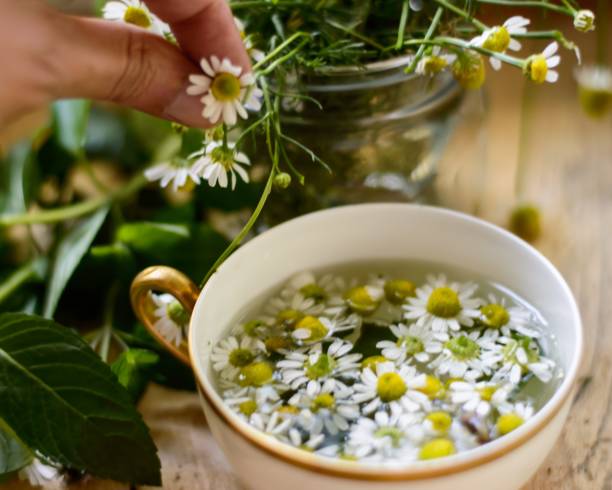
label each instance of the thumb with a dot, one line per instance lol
(126, 65)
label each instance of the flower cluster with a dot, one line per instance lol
(382, 371)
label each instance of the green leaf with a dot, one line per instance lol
(133, 369)
(146, 236)
(63, 401)
(69, 252)
(70, 119)
(13, 454)
(15, 173)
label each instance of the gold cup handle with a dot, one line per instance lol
(167, 280)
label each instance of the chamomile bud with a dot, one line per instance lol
(364, 299)
(595, 89)
(525, 222)
(584, 20)
(282, 180)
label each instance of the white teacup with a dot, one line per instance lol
(368, 233)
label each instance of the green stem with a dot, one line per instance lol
(74, 210)
(18, 278)
(462, 13)
(511, 60)
(428, 35)
(107, 327)
(401, 31)
(356, 35)
(272, 66)
(529, 3)
(279, 49)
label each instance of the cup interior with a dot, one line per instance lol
(373, 232)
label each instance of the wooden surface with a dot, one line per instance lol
(567, 171)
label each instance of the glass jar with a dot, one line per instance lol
(380, 130)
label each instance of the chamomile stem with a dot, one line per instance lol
(279, 49)
(21, 276)
(462, 13)
(511, 60)
(74, 210)
(529, 3)
(428, 35)
(401, 31)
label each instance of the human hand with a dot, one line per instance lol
(46, 55)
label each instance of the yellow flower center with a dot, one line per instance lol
(412, 345)
(247, 408)
(241, 357)
(397, 290)
(469, 71)
(251, 328)
(537, 68)
(137, 16)
(487, 392)
(440, 421)
(444, 303)
(437, 448)
(314, 291)
(393, 433)
(324, 400)
(390, 387)
(495, 316)
(256, 374)
(434, 388)
(289, 318)
(177, 313)
(226, 87)
(317, 330)
(432, 65)
(289, 409)
(463, 348)
(275, 344)
(498, 40)
(508, 422)
(360, 300)
(372, 361)
(323, 366)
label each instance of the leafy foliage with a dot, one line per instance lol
(13, 454)
(63, 401)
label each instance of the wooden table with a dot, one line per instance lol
(567, 171)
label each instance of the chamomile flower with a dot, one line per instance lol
(231, 354)
(289, 307)
(255, 54)
(519, 357)
(413, 342)
(177, 171)
(584, 20)
(468, 355)
(226, 91)
(326, 406)
(365, 299)
(478, 397)
(443, 305)
(512, 417)
(134, 12)
(171, 318)
(389, 385)
(434, 62)
(219, 161)
(40, 474)
(385, 437)
(305, 440)
(312, 329)
(326, 289)
(497, 315)
(442, 423)
(312, 365)
(595, 89)
(499, 38)
(277, 424)
(538, 66)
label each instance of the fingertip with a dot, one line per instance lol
(187, 110)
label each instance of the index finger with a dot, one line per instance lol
(203, 28)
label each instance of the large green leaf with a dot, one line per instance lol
(62, 400)
(70, 124)
(13, 454)
(68, 254)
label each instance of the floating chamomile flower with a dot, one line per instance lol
(434, 62)
(326, 406)
(385, 437)
(443, 424)
(468, 355)
(177, 171)
(393, 386)
(313, 366)
(595, 89)
(538, 66)
(507, 319)
(289, 307)
(227, 91)
(312, 329)
(364, 300)
(499, 38)
(230, 355)
(171, 317)
(305, 440)
(136, 13)
(220, 160)
(443, 305)
(40, 474)
(512, 417)
(327, 288)
(413, 342)
(478, 397)
(520, 357)
(437, 448)
(278, 424)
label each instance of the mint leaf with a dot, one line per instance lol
(133, 369)
(13, 454)
(63, 401)
(70, 119)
